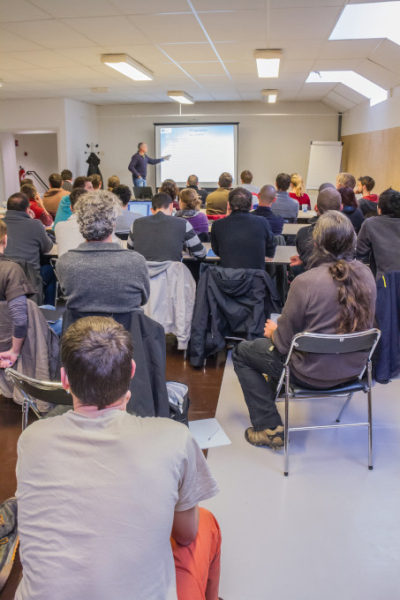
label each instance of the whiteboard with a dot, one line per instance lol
(324, 165)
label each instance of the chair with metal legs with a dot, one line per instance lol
(46, 391)
(314, 343)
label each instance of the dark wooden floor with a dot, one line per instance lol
(204, 387)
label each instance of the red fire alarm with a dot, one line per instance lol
(25, 154)
(16, 143)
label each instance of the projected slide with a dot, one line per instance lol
(205, 150)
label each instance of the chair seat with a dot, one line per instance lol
(349, 387)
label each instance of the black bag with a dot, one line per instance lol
(178, 396)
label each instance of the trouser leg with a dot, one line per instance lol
(251, 360)
(49, 284)
(198, 565)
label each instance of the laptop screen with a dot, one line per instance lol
(140, 206)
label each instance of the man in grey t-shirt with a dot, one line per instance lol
(284, 206)
(100, 492)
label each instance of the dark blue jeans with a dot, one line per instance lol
(49, 284)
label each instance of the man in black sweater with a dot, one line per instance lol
(242, 240)
(266, 198)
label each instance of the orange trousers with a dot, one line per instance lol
(198, 565)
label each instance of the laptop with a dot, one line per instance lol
(142, 207)
(142, 193)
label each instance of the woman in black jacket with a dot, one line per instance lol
(350, 208)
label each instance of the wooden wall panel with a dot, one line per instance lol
(376, 154)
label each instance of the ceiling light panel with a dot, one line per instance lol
(269, 96)
(368, 21)
(353, 80)
(127, 66)
(181, 97)
(268, 62)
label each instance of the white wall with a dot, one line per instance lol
(364, 118)
(42, 155)
(81, 129)
(272, 139)
(9, 182)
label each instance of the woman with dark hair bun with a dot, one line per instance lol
(350, 207)
(335, 295)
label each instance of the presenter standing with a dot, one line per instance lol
(139, 162)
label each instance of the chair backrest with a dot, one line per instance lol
(47, 391)
(279, 240)
(319, 343)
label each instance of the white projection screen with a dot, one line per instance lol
(202, 149)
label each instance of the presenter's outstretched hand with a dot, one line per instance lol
(167, 157)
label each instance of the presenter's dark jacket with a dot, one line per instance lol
(242, 241)
(138, 164)
(275, 221)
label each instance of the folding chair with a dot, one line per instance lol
(315, 343)
(34, 389)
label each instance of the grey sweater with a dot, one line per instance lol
(27, 238)
(378, 243)
(312, 305)
(103, 277)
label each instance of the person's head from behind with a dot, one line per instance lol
(3, 236)
(83, 182)
(323, 186)
(189, 199)
(225, 180)
(29, 190)
(18, 202)
(267, 195)
(66, 175)
(96, 213)
(345, 180)
(328, 199)
(55, 180)
(26, 181)
(283, 182)
(123, 193)
(169, 187)
(365, 185)
(96, 181)
(246, 176)
(296, 181)
(97, 365)
(240, 199)
(389, 203)
(348, 197)
(112, 182)
(75, 195)
(161, 202)
(193, 180)
(334, 244)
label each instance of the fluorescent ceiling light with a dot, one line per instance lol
(127, 66)
(368, 21)
(269, 96)
(353, 80)
(181, 97)
(268, 62)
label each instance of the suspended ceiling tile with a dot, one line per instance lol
(165, 69)
(76, 8)
(350, 49)
(203, 68)
(350, 94)
(217, 5)
(148, 7)
(247, 68)
(112, 30)
(343, 64)
(190, 52)
(50, 34)
(296, 66)
(387, 55)
(164, 29)
(140, 52)
(303, 23)
(11, 62)
(241, 26)
(304, 3)
(46, 59)
(340, 100)
(89, 57)
(378, 74)
(12, 42)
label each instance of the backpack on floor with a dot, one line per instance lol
(178, 396)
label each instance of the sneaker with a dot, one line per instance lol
(8, 516)
(8, 549)
(267, 437)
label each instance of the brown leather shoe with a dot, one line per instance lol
(267, 437)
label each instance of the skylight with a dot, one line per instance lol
(353, 80)
(368, 21)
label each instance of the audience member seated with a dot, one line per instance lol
(67, 232)
(169, 187)
(67, 180)
(369, 202)
(14, 288)
(328, 199)
(323, 186)
(112, 182)
(26, 181)
(64, 209)
(297, 190)
(336, 296)
(193, 182)
(242, 240)
(99, 275)
(345, 180)
(119, 482)
(217, 201)
(162, 237)
(189, 203)
(28, 241)
(350, 207)
(36, 205)
(284, 206)
(379, 238)
(126, 217)
(266, 198)
(96, 181)
(53, 196)
(246, 177)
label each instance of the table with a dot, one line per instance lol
(293, 228)
(282, 255)
(304, 217)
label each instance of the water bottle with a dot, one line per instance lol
(305, 207)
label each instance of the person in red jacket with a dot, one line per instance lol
(36, 205)
(297, 190)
